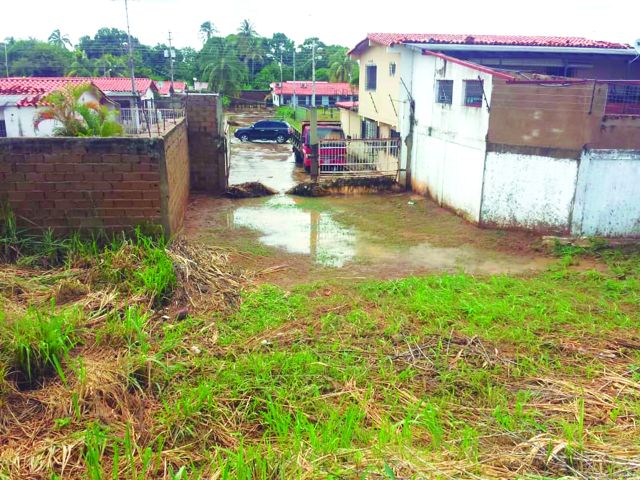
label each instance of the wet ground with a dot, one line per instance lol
(300, 240)
(266, 162)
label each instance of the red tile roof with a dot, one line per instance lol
(122, 84)
(34, 88)
(163, 86)
(389, 39)
(322, 88)
(347, 105)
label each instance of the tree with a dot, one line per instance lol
(107, 40)
(271, 74)
(342, 67)
(32, 58)
(207, 29)
(246, 29)
(59, 40)
(222, 66)
(80, 66)
(75, 117)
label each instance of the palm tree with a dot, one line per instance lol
(58, 39)
(75, 117)
(250, 46)
(341, 69)
(207, 29)
(224, 69)
(246, 29)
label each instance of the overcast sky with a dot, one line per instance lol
(334, 21)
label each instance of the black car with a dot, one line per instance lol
(265, 130)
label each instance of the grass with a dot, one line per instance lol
(295, 117)
(441, 376)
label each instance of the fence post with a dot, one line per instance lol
(313, 143)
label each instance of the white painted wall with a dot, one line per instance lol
(447, 158)
(19, 120)
(528, 191)
(607, 199)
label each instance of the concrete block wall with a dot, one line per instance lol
(110, 184)
(176, 161)
(207, 145)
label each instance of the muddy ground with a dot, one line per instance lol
(359, 236)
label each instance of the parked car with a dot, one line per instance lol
(275, 130)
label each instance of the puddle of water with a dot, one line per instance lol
(283, 225)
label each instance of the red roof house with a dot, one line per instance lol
(21, 97)
(327, 93)
(164, 87)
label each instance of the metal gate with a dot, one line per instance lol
(359, 157)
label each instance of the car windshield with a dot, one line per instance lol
(330, 134)
(326, 133)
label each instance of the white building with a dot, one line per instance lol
(504, 148)
(19, 100)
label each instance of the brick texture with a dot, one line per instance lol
(176, 153)
(207, 145)
(107, 184)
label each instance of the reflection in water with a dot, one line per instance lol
(284, 225)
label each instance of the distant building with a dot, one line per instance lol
(301, 92)
(20, 101)
(164, 87)
(118, 89)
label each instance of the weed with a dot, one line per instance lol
(40, 341)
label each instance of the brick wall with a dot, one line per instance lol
(176, 155)
(207, 144)
(95, 183)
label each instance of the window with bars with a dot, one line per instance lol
(371, 79)
(473, 92)
(444, 93)
(623, 99)
(3, 128)
(392, 69)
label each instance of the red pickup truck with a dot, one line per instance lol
(332, 150)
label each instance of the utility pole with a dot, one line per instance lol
(171, 60)
(313, 74)
(133, 76)
(6, 60)
(295, 100)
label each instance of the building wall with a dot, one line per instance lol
(529, 189)
(351, 123)
(607, 202)
(545, 116)
(207, 147)
(448, 151)
(110, 184)
(380, 105)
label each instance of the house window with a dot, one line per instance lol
(445, 92)
(325, 100)
(473, 92)
(369, 129)
(392, 69)
(3, 128)
(371, 77)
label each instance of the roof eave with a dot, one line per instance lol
(521, 48)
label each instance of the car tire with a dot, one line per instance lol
(281, 139)
(244, 138)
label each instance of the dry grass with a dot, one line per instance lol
(446, 376)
